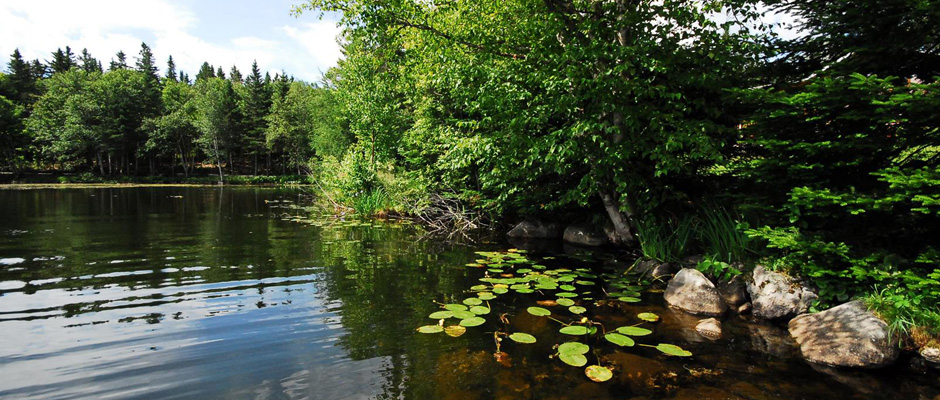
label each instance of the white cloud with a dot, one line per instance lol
(107, 26)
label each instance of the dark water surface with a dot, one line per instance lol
(188, 292)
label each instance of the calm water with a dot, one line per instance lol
(216, 293)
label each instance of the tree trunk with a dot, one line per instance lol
(620, 220)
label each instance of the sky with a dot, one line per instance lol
(223, 33)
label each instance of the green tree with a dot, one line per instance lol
(171, 69)
(255, 105)
(205, 72)
(12, 138)
(89, 63)
(62, 60)
(21, 82)
(121, 62)
(217, 119)
(174, 133)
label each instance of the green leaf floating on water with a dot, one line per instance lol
(565, 302)
(455, 307)
(598, 373)
(473, 301)
(586, 283)
(441, 315)
(486, 296)
(520, 337)
(572, 353)
(567, 288)
(567, 294)
(479, 288)
(673, 350)
(575, 330)
(500, 290)
(471, 322)
(431, 329)
(480, 310)
(619, 340)
(629, 299)
(463, 314)
(577, 309)
(455, 330)
(634, 331)
(538, 311)
(648, 316)
(525, 291)
(524, 270)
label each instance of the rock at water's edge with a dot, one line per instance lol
(533, 229)
(710, 328)
(584, 235)
(733, 291)
(845, 336)
(777, 297)
(692, 292)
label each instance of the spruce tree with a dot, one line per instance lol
(22, 80)
(121, 62)
(171, 70)
(235, 75)
(205, 72)
(219, 73)
(89, 63)
(62, 60)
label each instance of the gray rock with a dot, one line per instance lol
(710, 328)
(744, 308)
(931, 355)
(533, 229)
(845, 336)
(734, 291)
(655, 269)
(584, 235)
(692, 292)
(692, 261)
(778, 297)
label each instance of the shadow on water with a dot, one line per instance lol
(221, 293)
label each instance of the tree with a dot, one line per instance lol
(171, 70)
(12, 138)
(62, 60)
(235, 75)
(21, 80)
(205, 72)
(291, 124)
(174, 133)
(219, 73)
(89, 63)
(121, 62)
(255, 105)
(216, 119)
(151, 89)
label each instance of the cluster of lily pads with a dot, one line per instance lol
(512, 271)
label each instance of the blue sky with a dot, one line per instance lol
(226, 33)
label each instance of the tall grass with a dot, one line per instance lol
(666, 241)
(722, 236)
(371, 202)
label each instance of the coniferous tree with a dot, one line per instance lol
(62, 60)
(171, 70)
(89, 63)
(235, 75)
(219, 73)
(38, 69)
(205, 72)
(121, 62)
(22, 80)
(151, 90)
(184, 78)
(256, 105)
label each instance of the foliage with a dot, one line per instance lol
(713, 266)
(667, 241)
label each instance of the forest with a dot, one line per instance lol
(686, 127)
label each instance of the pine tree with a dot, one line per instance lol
(150, 95)
(62, 60)
(205, 72)
(38, 69)
(22, 79)
(235, 75)
(255, 106)
(88, 63)
(171, 70)
(121, 62)
(219, 73)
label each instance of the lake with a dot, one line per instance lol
(209, 292)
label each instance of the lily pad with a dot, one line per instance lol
(648, 316)
(486, 296)
(574, 360)
(567, 288)
(567, 294)
(524, 270)
(629, 299)
(480, 310)
(538, 311)
(431, 329)
(463, 314)
(473, 301)
(573, 348)
(619, 340)
(455, 330)
(471, 322)
(520, 337)
(634, 331)
(673, 350)
(500, 290)
(441, 315)
(577, 309)
(525, 291)
(455, 307)
(585, 283)
(598, 373)
(576, 330)
(565, 302)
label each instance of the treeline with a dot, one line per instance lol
(686, 126)
(70, 114)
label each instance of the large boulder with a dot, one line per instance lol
(734, 291)
(584, 235)
(778, 297)
(692, 292)
(534, 229)
(845, 336)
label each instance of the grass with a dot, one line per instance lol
(721, 235)
(665, 241)
(906, 317)
(372, 202)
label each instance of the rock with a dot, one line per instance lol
(931, 355)
(655, 269)
(710, 328)
(692, 261)
(734, 291)
(534, 229)
(744, 308)
(645, 265)
(845, 336)
(584, 235)
(691, 292)
(776, 296)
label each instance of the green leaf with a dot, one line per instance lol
(463, 314)
(567, 294)
(486, 296)
(634, 331)
(577, 309)
(455, 307)
(598, 373)
(565, 302)
(455, 330)
(441, 315)
(573, 348)
(575, 330)
(471, 322)
(619, 340)
(648, 316)
(574, 360)
(538, 311)
(480, 310)
(431, 329)
(520, 337)
(473, 301)
(673, 350)
(629, 299)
